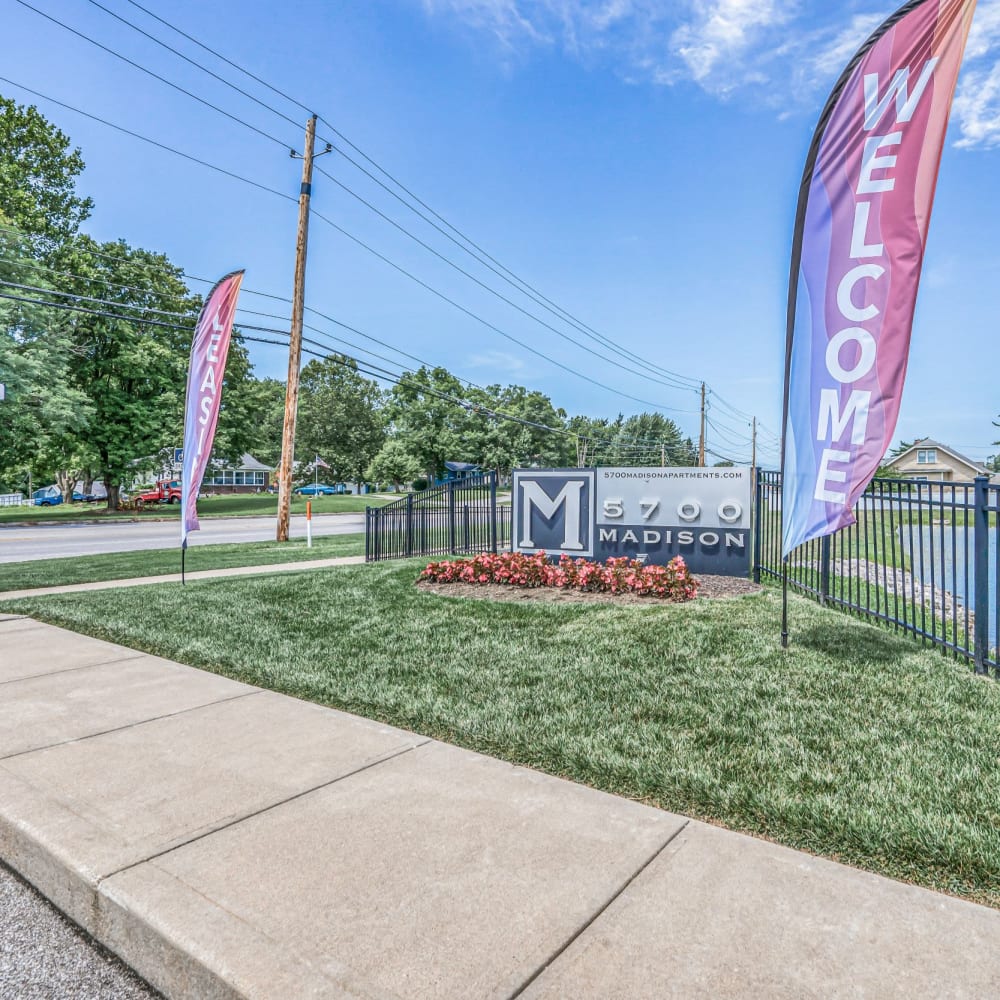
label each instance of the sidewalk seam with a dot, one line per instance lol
(131, 725)
(587, 924)
(69, 670)
(265, 809)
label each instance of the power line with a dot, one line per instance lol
(567, 317)
(401, 270)
(242, 309)
(145, 138)
(680, 381)
(364, 367)
(369, 205)
(490, 289)
(155, 76)
(188, 59)
(488, 324)
(481, 255)
(88, 298)
(218, 55)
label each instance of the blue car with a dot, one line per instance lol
(313, 490)
(43, 498)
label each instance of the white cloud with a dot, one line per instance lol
(720, 34)
(778, 53)
(503, 18)
(829, 61)
(977, 108)
(498, 361)
(977, 102)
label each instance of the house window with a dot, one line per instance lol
(927, 456)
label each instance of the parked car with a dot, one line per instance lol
(48, 496)
(314, 489)
(79, 497)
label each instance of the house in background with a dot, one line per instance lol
(249, 476)
(456, 471)
(930, 461)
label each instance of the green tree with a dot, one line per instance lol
(642, 440)
(134, 373)
(44, 410)
(251, 412)
(340, 418)
(393, 464)
(426, 418)
(514, 426)
(38, 172)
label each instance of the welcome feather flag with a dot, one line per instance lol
(860, 234)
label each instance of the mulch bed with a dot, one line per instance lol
(709, 587)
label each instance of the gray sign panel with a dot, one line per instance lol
(654, 515)
(553, 511)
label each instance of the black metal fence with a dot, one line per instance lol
(461, 517)
(922, 557)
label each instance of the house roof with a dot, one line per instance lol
(246, 464)
(925, 443)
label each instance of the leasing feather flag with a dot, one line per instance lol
(209, 350)
(860, 234)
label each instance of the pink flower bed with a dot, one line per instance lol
(672, 582)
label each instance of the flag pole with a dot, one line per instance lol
(184, 546)
(784, 603)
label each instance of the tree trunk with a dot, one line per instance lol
(66, 481)
(113, 489)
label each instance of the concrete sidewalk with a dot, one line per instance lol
(202, 574)
(227, 841)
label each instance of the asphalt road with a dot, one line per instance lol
(43, 956)
(53, 541)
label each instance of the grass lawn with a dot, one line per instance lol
(158, 562)
(236, 505)
(855, 744)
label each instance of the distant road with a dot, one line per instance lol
(53, 541)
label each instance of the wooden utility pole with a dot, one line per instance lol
(663, 455)
(753, 445)
(295, 341)
(701, 438)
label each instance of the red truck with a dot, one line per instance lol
(167, 491)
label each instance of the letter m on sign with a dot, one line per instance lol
(553, 511)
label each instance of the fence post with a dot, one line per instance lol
(824, 570)
(758, 519)
(466, 538)
(451, 516)
(980, 579)
(408, 549)
(494, 527)
(368, 534)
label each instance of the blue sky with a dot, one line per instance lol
(636, 161)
